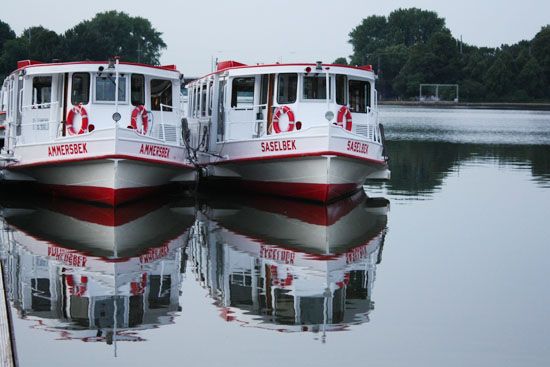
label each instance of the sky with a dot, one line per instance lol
(265, 31)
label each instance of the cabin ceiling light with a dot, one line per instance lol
(329, 115)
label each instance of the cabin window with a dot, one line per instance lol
(105, 88)
(341, 82)
(203, 100)
(359, 96)
(315, 87)
(210, 95)
(242, 93)
(161, 94)
(287, 86)
(80, 88)
(264, 85)
(137, 89)
(42, 91)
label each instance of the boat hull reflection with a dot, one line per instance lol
(290, 266)
(96, 274)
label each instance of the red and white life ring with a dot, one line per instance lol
(140, 111)
(280, 111)
(344, 113)
(77, 110)
(77, 288)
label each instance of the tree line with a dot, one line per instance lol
(106, 35)
(407, 48)
(413, 46)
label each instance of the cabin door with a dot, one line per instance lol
(221, 110)
(241, 116)
(12, 112)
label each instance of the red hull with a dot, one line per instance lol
(307, 191)
(103, 195)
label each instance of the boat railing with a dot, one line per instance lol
(42, 128)
(369, 127)
(168, 129)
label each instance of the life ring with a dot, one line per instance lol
(280, 111)
(344, 112)
(77, 110)
(140, 111)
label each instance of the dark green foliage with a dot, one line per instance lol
(341, 61)
(114, 34)
(6, 34)
(106, 35)
(413, 46)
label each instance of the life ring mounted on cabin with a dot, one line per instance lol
(344, 114)
(141, 112)
(279, 112)
(77, 110)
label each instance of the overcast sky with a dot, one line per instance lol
(280, 30)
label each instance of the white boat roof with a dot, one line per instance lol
(32, 67)
(234, 68)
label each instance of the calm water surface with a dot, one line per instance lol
(452, 272)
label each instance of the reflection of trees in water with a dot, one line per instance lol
(420, 166)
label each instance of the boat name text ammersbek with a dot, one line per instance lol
(67, 149)
(154, 150)
(67, 257)
(278, 146)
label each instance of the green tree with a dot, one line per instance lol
(6, 34)
(112, 34)
(541, 51)
(387, 63)
(498, 78)
(36, 43)
(531, 78)
(14, 50)
(387, 43)
(341, 61)
(368, 37)
(413, 25)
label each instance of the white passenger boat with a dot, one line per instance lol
(100, 131)
(309, 131)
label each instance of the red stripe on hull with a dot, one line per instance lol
(55, 162)
(298, 155)
(103, 195)
(308, 191)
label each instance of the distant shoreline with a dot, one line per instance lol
(473, 105)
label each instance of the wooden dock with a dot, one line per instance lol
(8, 355)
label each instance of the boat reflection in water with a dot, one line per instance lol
(290, 266)
(92, 273)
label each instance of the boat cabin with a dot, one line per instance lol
(246, 102)
(43, 102)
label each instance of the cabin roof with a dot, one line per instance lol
(235, 67)
(84, 66)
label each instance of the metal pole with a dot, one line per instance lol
(116, 85)
(327, 86)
